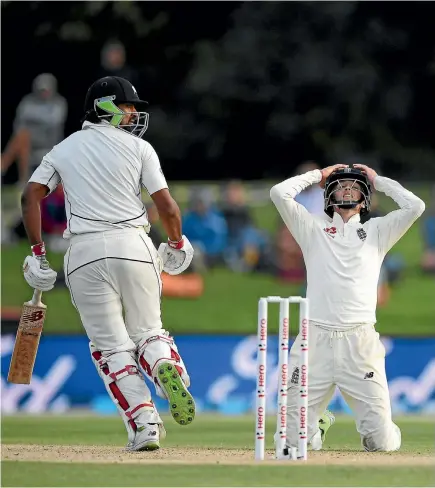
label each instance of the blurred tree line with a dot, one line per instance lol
(247, 89)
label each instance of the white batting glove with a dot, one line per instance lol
(176, 255)
(37, 271)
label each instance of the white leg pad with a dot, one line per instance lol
(126, 387)
(157, 347)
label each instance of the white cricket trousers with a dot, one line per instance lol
(108, 271)
(354, 361)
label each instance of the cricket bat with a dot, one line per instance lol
(27, 340)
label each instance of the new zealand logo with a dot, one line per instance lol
(362, 234)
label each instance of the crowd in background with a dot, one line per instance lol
(223, 232)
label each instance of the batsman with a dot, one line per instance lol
(343, 258)
(112, 269)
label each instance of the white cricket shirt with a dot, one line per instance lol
(343, 260)
(102, 170)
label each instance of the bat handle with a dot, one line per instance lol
(36, 299)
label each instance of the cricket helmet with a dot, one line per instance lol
(102, 103)
(333, 183)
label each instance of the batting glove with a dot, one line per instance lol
(37, 271)
(176, 256)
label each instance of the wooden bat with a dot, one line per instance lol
(27, 340)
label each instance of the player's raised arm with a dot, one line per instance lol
(394, 225)
(296, 217)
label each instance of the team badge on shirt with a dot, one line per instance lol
(362, 234)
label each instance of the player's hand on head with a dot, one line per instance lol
(369, 172)
(176, 256)
(329, 170)
(37, 271)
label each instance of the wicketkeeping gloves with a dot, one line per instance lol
(176, 256)
(37, 271)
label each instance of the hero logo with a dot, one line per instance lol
(284, 370)
(263, 331)
(285, 329)
(302, 418)
(304, 375)
(282, 417)
(304, 330)
(260, 418)
(261, 375)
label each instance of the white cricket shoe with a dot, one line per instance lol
(147, 438)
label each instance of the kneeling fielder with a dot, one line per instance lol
(343, 259)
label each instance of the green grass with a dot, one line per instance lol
(229, 303)
(57, 474)
(205, 432)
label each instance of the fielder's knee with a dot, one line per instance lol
(386, 439)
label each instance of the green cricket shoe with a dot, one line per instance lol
(181, 402)
(325, 422)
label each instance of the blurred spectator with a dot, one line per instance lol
(247, 245)
(312, 197)
(53, 220)
(38, 126)
(113, 63)
(428, 223)
(206, 228)
(289, 258)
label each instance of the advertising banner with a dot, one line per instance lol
(222, 369)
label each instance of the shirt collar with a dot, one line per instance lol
(86, 123)
(338, 221)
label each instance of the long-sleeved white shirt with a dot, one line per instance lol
(103, 170)
(343, 260)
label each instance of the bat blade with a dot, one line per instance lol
(26, 343)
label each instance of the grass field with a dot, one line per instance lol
(213, 451)
(228, 304)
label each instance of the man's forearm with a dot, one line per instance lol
(293, 186)
(171, 221)
(32, 220)
(403, 197)
(31, 211)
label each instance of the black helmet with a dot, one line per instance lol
(332, 185)
(104, 97)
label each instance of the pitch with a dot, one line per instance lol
(213, 451)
